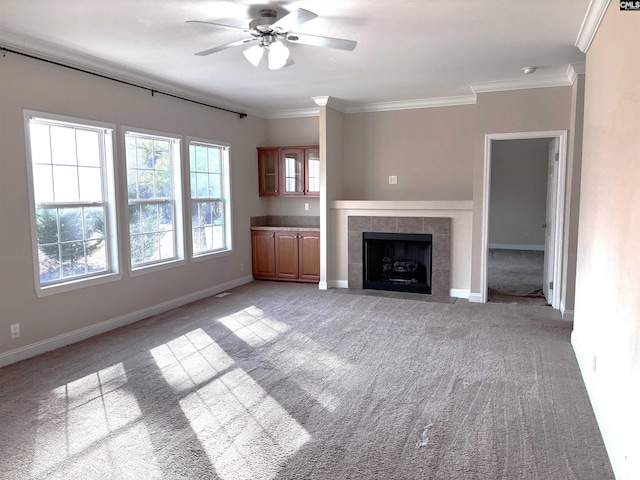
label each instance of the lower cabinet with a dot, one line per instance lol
(286, 255)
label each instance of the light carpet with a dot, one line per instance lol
(283, 381)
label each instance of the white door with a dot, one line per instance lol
(549, 223)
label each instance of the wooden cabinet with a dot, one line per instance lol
(289, 171)
(286, 255)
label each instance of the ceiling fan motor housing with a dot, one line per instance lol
(264, 22)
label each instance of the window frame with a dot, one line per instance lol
(176, 142)
(109, 187)
(225, 197)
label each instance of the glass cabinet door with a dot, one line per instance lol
(268, 171)
(293, 174)
(312, 158)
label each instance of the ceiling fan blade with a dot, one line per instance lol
(221, 25)
(318, 41)
(293, 19)
(224, 47)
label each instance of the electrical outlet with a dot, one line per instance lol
(15, 330)
(306, 206)
(594, 363)
(393, 179)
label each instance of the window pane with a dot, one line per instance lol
(90, 184)
(163, 184)
(214, 160)
(94, 223)
(40, 143)
(193, 185)
(202, 183)
(88, 148)
(137, 256)
(215, 186)
(71, 224)
(63, 145)
(73, 259)
(201, 158)
(144, 153)
(165, 218)
(96, 256)
(145, 184)
(43, 183)
(135, 216)
(192, 158)
(65, 184)
(149, 218)
(132, 184)
(47, 225)
(49, 259)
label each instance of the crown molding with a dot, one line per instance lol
(579, 68)
(413, 104)
(55, 53)
(590, 24)
(522, 84)
(331, 102)
(301, 113)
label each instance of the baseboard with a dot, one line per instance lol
(28, 351)
(322, 286)
(459, 293)
(502, 246)
(475, 297)
(339, 284)
(617, 459)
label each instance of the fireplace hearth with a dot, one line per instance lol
(397, 261)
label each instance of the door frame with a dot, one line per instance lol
(558, 220)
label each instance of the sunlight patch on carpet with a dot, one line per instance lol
(245, 432)
(250, 326)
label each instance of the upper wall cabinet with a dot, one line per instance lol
(289, 171)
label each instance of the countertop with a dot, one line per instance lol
(286, 228)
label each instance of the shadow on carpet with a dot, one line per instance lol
(420, 297)
(532, 297)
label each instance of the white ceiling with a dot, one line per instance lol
(408, 50)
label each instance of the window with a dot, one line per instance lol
(153, 178)
(210, 206)
(72, 192)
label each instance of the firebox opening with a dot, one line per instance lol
(398, 262)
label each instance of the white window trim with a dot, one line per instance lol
(110, 181)
(180, 258)
(227, 201)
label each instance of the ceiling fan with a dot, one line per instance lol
(271, 35)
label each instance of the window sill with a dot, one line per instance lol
(210, 256)
(71, 285)
(155, 267)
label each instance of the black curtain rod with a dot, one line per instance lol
(153, 91)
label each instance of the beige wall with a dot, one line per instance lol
(430, 150)
(518, 201)
(532, 110)
(282, 132)
(607, 310)
(30, 84)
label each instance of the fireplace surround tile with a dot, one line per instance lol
(439, 227)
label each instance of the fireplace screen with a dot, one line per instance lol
(397, 261)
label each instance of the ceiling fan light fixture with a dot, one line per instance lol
(278, 55)
(254, 54)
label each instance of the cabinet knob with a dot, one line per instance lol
(275, 191)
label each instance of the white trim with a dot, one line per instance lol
(413, 104)
(617, 460)
(522, 83)
(476, 298)
(590, 24)
(559, 207)
(323, 286)
(503, 246)
(401, 205)
(580, 68)
(28, 351)
(459, 293)
(298, 113)
(338, 283)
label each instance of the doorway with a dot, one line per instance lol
(523, 206)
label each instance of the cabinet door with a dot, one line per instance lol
(263, 259)
(312, 176)
(309, 256)
(268, 171)
(287, 255)
(292, 167)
